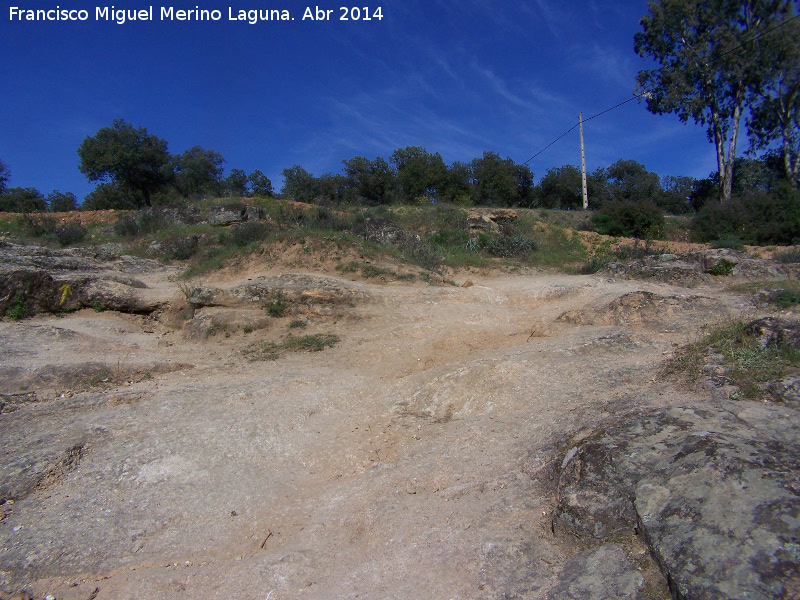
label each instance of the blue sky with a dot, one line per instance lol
(456, 77)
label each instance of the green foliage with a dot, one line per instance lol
(629, 219)
(372, 181)
(18, 309)
(74, 233)
(109, 196)
(5, 175)
(260, 184)
(722, 267)
(747, 362)
(141, 223)
(757, 218)
(501, 182)
(61, 201)
(732, 243)
(130, 158)
(244, 234)
(788, 257)
(603, 255)
(625, 181)
(22, 200)
(785, 298)
(420, 175)
(511, 243)
(298, 185)
(277, 306)
(298, 323)
(561, 187)
(198, 172)
(307, 343)
(97, 306)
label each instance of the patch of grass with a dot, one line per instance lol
(732, 243)
(18, 309)
(307, 343)
(298, 323)
(747, 362)
(277, 306)
(369, 270)
(97, 306)
(788, 257)
(785, 298)
(722, 267)
(603, 254)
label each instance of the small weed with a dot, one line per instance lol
(306, 343)
(310, 343)
(350, 267)
(97, 306)
(298, 323)
(18, 309)
(248, 329)
(71, 234)
(277, 306)
(722, 267)
(369, 270)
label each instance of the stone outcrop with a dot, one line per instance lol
(649, 310)
(712, 488)
(490, 219)
(230, 214)
(692, 269)
(45, 280)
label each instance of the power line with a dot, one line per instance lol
(637, 96)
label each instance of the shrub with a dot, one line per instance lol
(61, 201)
(722, 267)
(788, 257)
(629, 219)
(71, 234)
(756, 218)
(39, 226)
(244, 234)
(143, 222)
(785, 298)
(18, 309)
(277, 306)
(510, 242)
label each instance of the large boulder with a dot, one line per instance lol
(712, 488)
(45, 280)
(230, 214)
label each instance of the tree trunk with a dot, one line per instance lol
(725, 164)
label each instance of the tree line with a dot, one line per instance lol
(133, 169)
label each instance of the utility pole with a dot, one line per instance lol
(583, 167)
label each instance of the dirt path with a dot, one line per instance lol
(409, 461)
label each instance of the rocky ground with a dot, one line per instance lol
(512, 438)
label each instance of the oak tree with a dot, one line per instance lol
(128, 157)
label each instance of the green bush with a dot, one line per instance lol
(71, 234)
(141, 223)
(18, 309)
(277, 306)
(785, 298)
(39, 226)
(244, 234)
(757, 218)
(788, 257)
(510, 243)
(629, 219)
